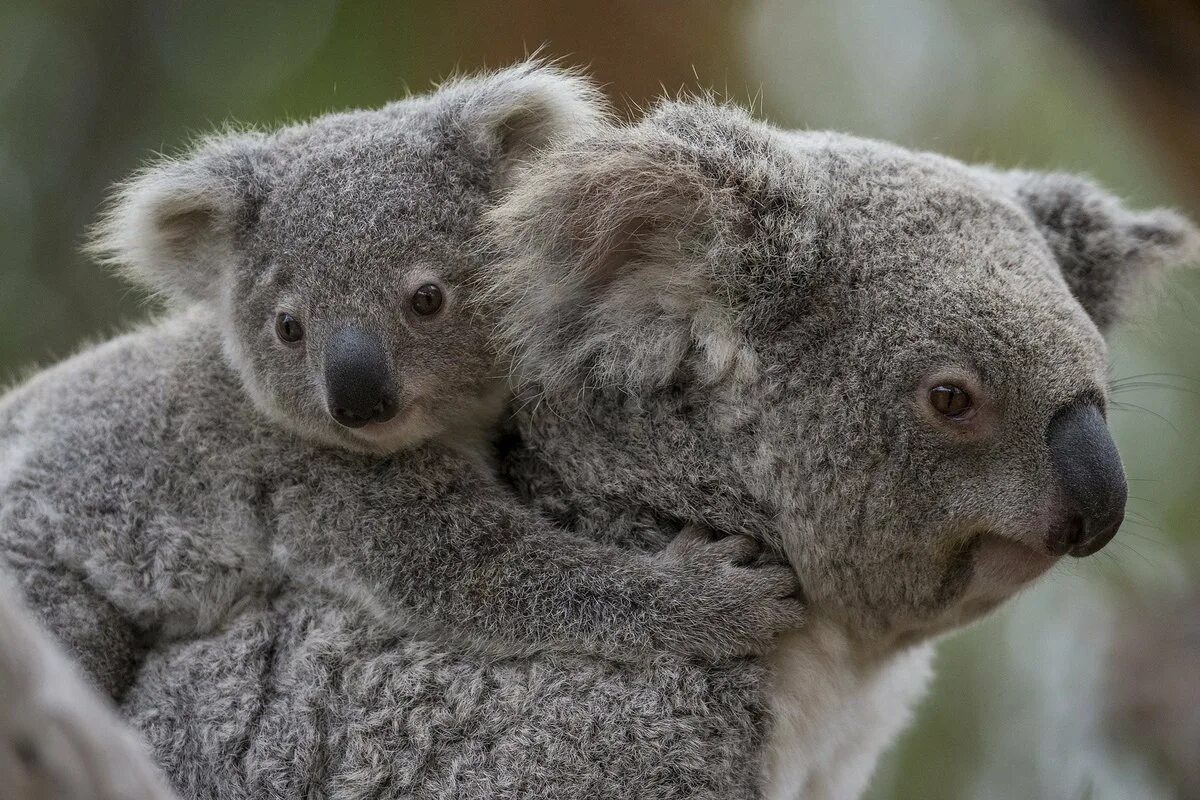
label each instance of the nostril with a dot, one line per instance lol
(1097, 533)
(1067, 535)
(346, 417)
(384, 410)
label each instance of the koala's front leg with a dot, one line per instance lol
(531, 582)
(474, 560)
(58, 739)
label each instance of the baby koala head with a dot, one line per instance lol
(335, 254)
(897, 356)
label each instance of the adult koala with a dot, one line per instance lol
(886, 365)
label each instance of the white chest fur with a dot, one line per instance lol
(834, 712)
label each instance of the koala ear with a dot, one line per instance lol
(1105, 250)
(514, 113)
(607, 250)
(172, 228)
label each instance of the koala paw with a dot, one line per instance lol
(727, 600)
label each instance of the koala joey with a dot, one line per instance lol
(319, 399)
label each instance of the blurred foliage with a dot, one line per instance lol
(89, 90)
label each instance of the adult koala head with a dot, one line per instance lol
(333, 252)
(890, 363)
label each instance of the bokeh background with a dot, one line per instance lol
(1087, 686)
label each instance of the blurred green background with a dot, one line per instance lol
(1045, 699)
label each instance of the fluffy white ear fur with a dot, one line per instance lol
(1106, 251)
(610, 248)
(518, 111)
(171, 228)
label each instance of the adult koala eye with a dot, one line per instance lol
(951, 401)
(288, 328)
(427, 300)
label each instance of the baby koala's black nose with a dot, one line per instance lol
(357, 382)
(1091, 479)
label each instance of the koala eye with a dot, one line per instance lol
(427, 299)
(288, 328)
(951, 401)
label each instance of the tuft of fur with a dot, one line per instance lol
(609, 301)
(171, 228)
(1106, 251)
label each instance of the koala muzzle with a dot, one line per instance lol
(357, 382)
(1091, 479)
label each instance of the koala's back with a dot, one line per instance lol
(309, 694)
(117, 466)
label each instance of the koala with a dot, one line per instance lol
(887, 365)
(319, 401)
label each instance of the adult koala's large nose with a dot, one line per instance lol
(357, 382)
(1091, 478)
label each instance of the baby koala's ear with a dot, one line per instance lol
(1105, 250)
(607, 247)
(516, 112)
(173, 227)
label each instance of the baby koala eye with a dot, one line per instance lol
(288, 328)
(951, 401)
(427, 300)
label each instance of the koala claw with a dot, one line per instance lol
(733, 603)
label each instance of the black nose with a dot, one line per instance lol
(1091, 478)
(358, 387)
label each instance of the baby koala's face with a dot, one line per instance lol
(349, 323)
(337, 253)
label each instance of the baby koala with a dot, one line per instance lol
(320, 400)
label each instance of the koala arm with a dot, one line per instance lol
(463, 555)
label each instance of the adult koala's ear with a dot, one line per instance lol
(173, 228)
(511, 114)
(609, 249)
(1104, 249)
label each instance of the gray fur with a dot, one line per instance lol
(153, 483)
(714, 322)
(717, 322)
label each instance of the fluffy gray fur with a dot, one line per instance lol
(151, 484)
(717, 322)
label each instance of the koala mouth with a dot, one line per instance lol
(406, 429)
(1002, 565)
